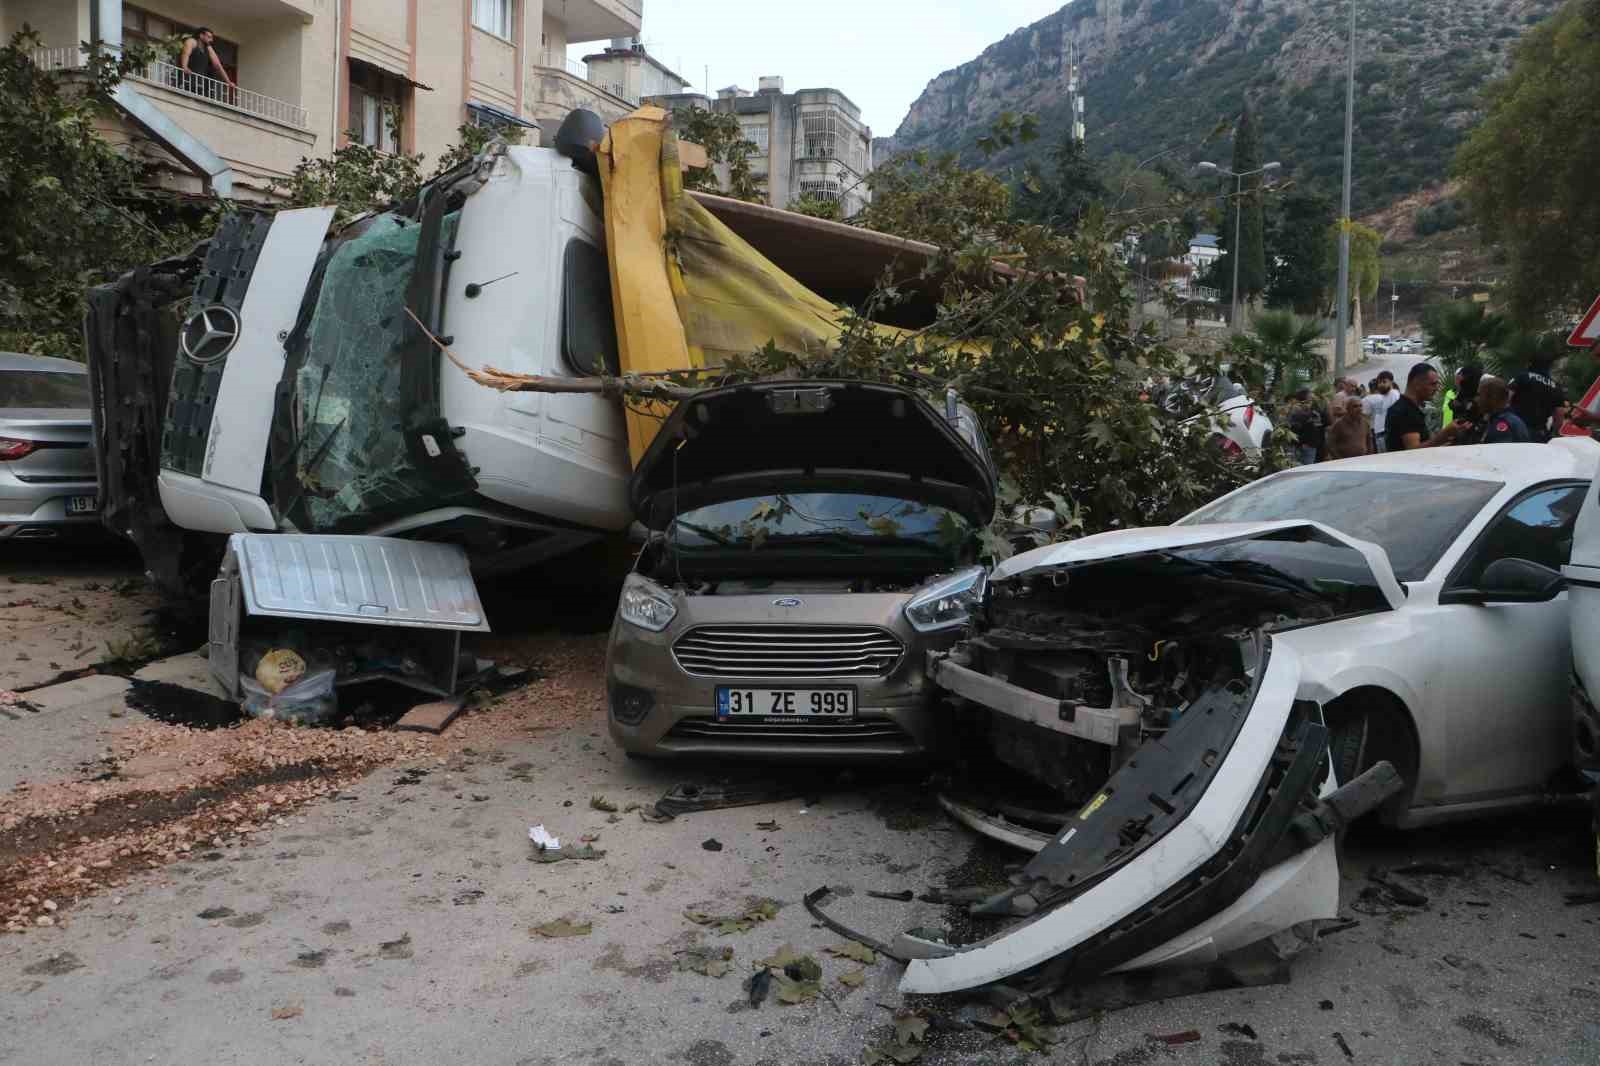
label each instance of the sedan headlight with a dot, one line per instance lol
(646, 604)
(949, 602)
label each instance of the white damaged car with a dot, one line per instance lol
(1217, 698)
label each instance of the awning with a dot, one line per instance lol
(494, 114)
(391, 72)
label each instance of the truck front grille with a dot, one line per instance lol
(875, 730)
(773, 651)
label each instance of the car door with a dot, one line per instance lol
(1502, 690)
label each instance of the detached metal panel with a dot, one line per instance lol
(372, 580)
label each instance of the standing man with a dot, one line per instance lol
(200, 58)
(1376, 406)
(1309, 423)
(1536, 398)
(1501, 425)
(1406, 426)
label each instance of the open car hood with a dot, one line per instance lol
(1127, 543)
(792, 436)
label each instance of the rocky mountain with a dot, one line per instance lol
(1160, 75)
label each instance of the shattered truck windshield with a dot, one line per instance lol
(346, 408)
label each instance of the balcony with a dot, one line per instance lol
(177, 80)
(557, 85)
(597, 20)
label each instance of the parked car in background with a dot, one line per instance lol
(48, 484)
(808, 545)
(1244, 424)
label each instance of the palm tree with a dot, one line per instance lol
(1285, 342)
(1460, 332)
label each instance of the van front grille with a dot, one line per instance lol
(775, 651)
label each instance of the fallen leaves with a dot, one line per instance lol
(561, 927)
(600, 803)
(852, 950)
(797, 978)
(713, 962)
(910, 1031)
(760, 911)
(853, 978)
(287, 1011)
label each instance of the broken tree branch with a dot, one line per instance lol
(625, 386)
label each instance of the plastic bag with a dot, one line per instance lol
(310, 701)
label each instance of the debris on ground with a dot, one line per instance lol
(903, 896)
(711, 961)
(768, 827)
(760, 911)
(796, 978)
(1338, 1038)
(758, 985)
(853, 978)
(586, 852)
(434, 717)
(396, 949)
(904, 1046)
(853, 950)
(1399, 893)
(1188, 1036)
(652, 815)
(542, 839)
(562, 927)
(711, 844)
(1237, 1029)
(1023, 1025)
(600, 803)
(687, 797)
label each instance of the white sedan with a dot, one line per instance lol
(1179, 685)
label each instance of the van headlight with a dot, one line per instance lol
(949, 602)
(646, 604)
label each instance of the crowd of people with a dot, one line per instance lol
(1478, 408)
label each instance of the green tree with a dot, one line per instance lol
(936, 199)
(1460, 331)
(1301, 275)
(1528, 171)
(720, 134)
(1062, 196)
(73, 210)
(1366, 266)
(817, 207)
(1247, 205)
(1289, 346)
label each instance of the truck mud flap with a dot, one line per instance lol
(1177, 836)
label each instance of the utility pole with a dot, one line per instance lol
(1394, 302)
(1238, 214)
(1344, 213)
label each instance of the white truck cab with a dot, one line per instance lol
(304, 399)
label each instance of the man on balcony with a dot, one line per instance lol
(200, 62)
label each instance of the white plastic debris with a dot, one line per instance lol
(542, 839)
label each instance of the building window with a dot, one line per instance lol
(818, 136)
(494, 16)
(756, 134)
(821, 190)
(378, 102)
(165, 36)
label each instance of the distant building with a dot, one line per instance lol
(627, 71)
(808, 142)
(1203, 251)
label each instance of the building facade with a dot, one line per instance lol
(810, 142)
(311, 75)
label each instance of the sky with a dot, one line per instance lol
(879, 53)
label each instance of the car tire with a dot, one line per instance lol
(1364, 730)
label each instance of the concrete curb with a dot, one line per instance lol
(191, 669)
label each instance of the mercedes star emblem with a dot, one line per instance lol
(209, 334)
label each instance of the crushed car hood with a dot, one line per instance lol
(1127, 543)
(792, 436)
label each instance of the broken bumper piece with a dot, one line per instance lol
(1213, 837)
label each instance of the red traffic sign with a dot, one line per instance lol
(1587, 335)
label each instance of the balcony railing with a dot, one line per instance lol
(554, 60)
(175, 78)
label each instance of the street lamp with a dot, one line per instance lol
(1238, 214)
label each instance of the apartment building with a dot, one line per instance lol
(310, 75)
(808, 142)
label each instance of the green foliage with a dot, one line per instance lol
(1459, 332)
(1304, 265)
(1527, 170)
(1063, 388)
(358, 178)
(74, 212)
(1063, 196)
(720, 134)
(1440, 217)
(817, 207)
(936, 199)
(1289, 345)
(1247, 205)
(1366, 265)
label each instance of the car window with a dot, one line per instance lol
(1538, 527)
(43, 388)
(588, 328)
(1412, 517)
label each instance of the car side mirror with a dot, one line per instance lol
(1517, 581)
